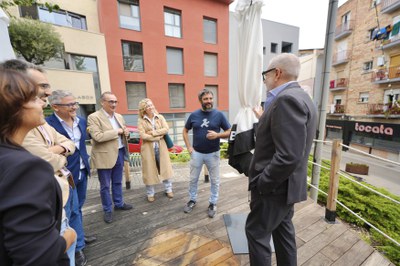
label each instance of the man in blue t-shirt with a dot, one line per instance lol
(206, 124)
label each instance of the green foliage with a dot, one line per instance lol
(224, 150)
(5, 4)
(377, 210)
(182, 157)
(36, 41)
(357, 164)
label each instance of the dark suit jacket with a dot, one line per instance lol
(283, 141)
(74, 159)
(30, 210)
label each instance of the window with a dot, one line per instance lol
(210, 30)
(363, 98)
(210, 65)
(132, 53)
(57, 17)
(174, 61)
(367, 66)
(274, 47)
(129, 15)
(391, 95)
(135, 92)
(172, 20)
(286, 47)
(176, 95)
(214, 90)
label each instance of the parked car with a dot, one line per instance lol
(135, 142)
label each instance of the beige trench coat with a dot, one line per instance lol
(149, 168)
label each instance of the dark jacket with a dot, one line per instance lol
(74, 159)
(30, 210)
(284, 137)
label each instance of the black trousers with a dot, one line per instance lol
(270, 215)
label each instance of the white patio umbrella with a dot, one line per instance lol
(6, 51)
(248, 14)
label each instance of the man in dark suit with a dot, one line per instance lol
(278, 170)
(66, 122)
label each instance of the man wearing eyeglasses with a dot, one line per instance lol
(278, 170)
(66, 122)
(109, 151)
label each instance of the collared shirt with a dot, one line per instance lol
(74, 134)
(115, 125)
(271, 95)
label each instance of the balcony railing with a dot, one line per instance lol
(344, 30)
(341, 57)
(388, 6)
(339, 84)
(390, 74)
(337, 109)
(384, 108)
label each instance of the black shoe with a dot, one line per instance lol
(124, 207)
(80, 258)
(108, 217)
(206, 178)
(128, 185)
(189, 206)
(212, 210)
(90, 239)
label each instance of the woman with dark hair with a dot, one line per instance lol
(31, 200)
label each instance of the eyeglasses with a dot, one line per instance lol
(67, 104)
(264, 74)
(112, 102)
(44, 86)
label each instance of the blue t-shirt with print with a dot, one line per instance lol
(201, 121)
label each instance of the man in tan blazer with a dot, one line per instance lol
(109, 150)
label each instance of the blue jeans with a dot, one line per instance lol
(112, 177)
(74, 217)
(211, 160)
(167, 187)
(81, 187)
(71, 250)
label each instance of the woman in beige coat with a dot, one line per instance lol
(156, 164)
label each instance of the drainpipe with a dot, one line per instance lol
(329, 39)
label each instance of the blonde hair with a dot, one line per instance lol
(143, 105)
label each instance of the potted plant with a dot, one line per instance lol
(357, 168)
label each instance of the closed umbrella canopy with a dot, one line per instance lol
(6, 51)
(248, 14)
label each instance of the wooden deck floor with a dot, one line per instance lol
(160, 233)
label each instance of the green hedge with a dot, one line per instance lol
(185, 157)
(377, 210)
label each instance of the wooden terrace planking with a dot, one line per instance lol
(160, 233)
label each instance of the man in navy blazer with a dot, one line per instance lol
(278, 170)
(66, 122)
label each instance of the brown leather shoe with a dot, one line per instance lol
(169, 194)
(150, 198)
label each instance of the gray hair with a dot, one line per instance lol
(288, 63)
(204, 92)
(58, 95)
(102, 97)
(20, 65)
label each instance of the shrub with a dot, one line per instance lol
(377, 210)
(182, 157)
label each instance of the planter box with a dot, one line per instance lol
(357, 169)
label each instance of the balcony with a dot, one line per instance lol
(386, 75)
(344, 30)
(394, 41)
(338, 84)
(389, 6)
(341, 57)
(337, 109)
(386, 109)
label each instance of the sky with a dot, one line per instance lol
(309, 15)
